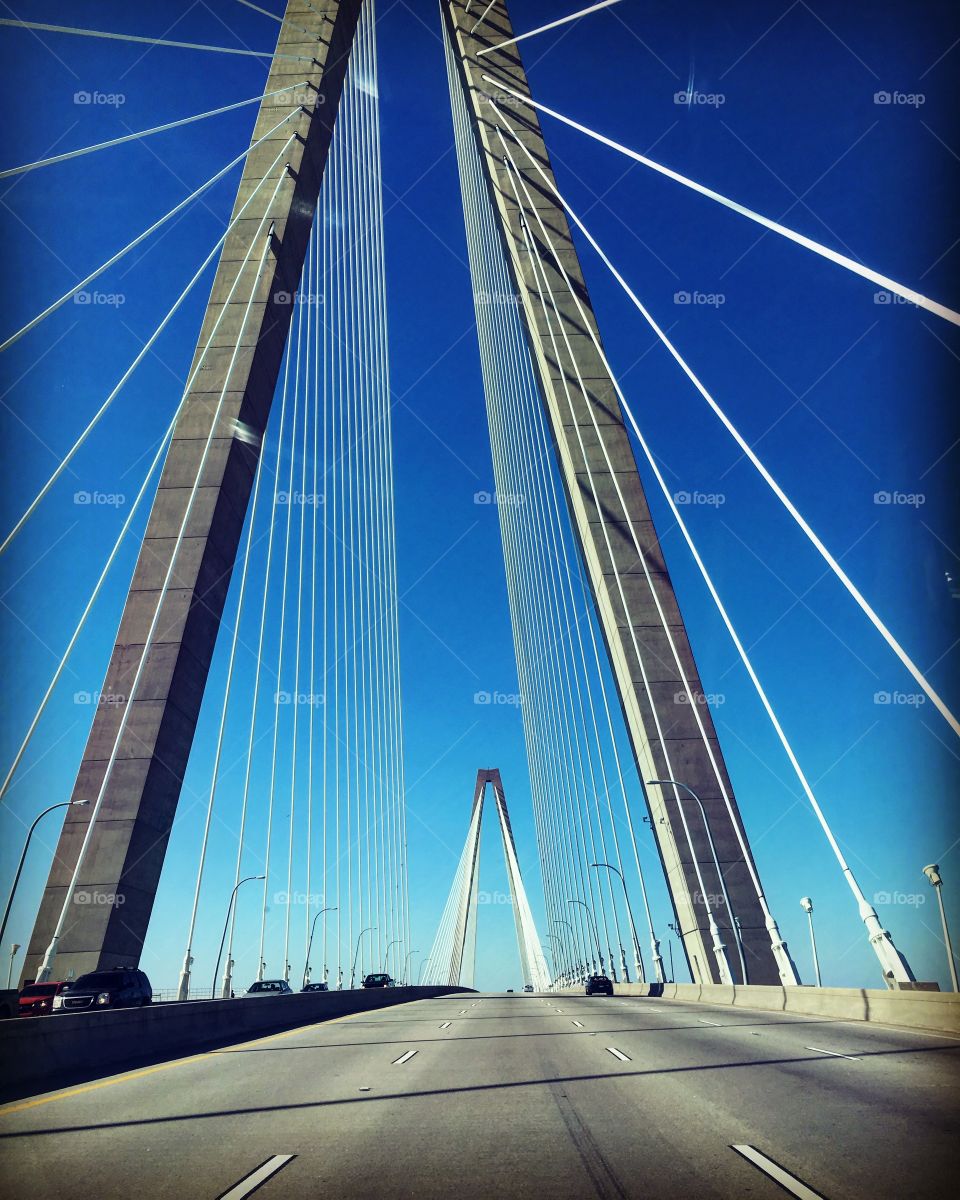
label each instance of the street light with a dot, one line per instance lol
(386, 954)
(572, 953)
(306, 965)
(228, 971)
(936, 882)
(637, 956)
(23, 856)
(596, 932)
(406, 964)
(807, 905)
(719, 950)
(13, 954)
(353, 969)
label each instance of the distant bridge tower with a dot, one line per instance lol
(452, 957)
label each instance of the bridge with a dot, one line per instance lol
(236, 795)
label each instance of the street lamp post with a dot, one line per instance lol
(13, 954)
(596, 932)
(228, 970)
(423, 967)
(23, 857)
(807, 905)
(936, 882)
(356, 955)
(572, 956)
(406, 964)
(306, 965)
(637, 956)
(719, 950)
(386, 954)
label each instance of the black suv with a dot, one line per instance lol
(315, 987)
(375, 981)
(598, 985)
(121, 987)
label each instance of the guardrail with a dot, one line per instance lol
(937, 1012)
(45, 1053)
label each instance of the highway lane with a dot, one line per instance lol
(511, 1095)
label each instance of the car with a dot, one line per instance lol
(598, 985)
(378, 981)
(315, 987)
(36, 999)
(117, 987)
(270, 987)
(528, 987)
(509, 991)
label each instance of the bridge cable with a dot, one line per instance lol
(553, 25)
(147, 41)
(769, 479)
(921, 301)
(144, 350)
(133, 137)
(14, 337)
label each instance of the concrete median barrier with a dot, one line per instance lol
(937, 1012)
(45, 1053)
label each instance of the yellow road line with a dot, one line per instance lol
(22, 1106)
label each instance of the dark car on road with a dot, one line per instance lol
(315, 987)
(120, 987)
(598, 985)
(270, 987)
(376, 981)
(36, 999)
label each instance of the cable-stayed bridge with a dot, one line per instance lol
(265, 541)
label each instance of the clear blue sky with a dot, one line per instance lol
(845, 398)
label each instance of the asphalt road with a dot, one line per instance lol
(493, 1096)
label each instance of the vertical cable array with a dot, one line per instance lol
(574, 758)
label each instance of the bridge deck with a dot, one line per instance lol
(498, 1095)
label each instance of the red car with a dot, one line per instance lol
(36, 999)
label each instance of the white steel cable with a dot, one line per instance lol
(133, 137)
(552, 25)
(769, 479)
(51, 308)
(68, 458)
(147, 41)
(883, 281)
